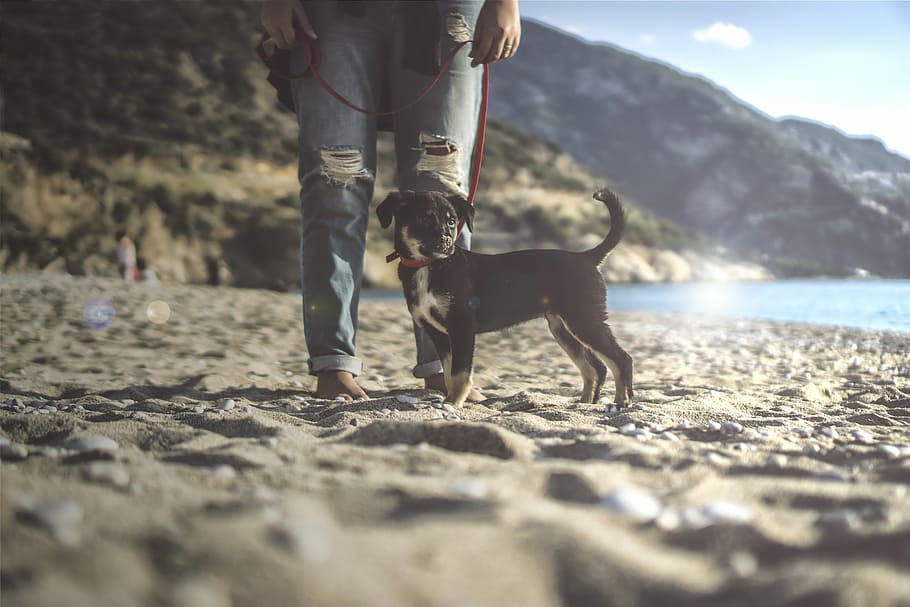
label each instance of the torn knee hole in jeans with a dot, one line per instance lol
(343, 165)
(441, 158)
(457, 27)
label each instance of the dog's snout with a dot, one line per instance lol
(447, 241)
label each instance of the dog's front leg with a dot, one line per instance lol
(462, 342)
(444, 350)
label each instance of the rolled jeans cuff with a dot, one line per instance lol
(429, 369)
(338, 362)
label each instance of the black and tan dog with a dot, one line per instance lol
(455, 293)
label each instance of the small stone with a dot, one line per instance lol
(438, 415)
(743, 563)
(451, 417)
(268, 441)
(406, 400)
(829, 431)
(198, 409)
(861, 435)
(292, 408)
(889, 451)
(778, 460)
(92, 442)
(717, 459)
(627, 429)
(669, 436)
(642, 434)
(61, 517)
(751, 434)
(224, 471)
(13, 452)
(712, 425)
(725, 512)
(833, 474)
(226, 405)
(633, 502)
(50, 409)
(108, 473)
(812, 448)
(300, 398)
(470, 488)
(802, 432)
(297, 383)
(731, 428)
(354, 422)
(386, 411)
(448, 407)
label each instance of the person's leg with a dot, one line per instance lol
(337, 159)
(434, 140)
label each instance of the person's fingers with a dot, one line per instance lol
(495, 53)
(510, 48)
(480, 49)
(303, 21)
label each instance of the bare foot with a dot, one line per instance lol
(438, 382)
(332, 384)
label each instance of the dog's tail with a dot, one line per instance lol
(617, 225)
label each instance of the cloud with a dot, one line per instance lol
(726, 34)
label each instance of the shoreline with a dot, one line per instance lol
(187, 462)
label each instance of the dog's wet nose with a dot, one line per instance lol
(447, 241)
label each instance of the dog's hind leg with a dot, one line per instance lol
(599, 338)
(593, 371)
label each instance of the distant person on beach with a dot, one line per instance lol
(126, 257)
(379, 55)
(146, 273)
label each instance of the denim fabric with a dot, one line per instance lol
(361, 57)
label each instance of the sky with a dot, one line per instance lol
(845, 64)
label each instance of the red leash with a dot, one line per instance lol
(312, 51)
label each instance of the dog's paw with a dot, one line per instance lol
(613, 408)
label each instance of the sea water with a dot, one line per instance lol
(869, 304)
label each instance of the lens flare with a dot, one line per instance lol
(98, 313)
(158, 312)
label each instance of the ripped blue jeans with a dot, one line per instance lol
(361, 57)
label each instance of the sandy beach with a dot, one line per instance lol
(175, 455)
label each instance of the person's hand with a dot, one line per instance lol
(281, 19)
(497, 32)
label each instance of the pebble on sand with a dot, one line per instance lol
(226, 405)
(224, 471)
(62, 518)
(731, 428)
(633, 502)
(107, 473)
(12, 452)
(889, 451)
(92, 442)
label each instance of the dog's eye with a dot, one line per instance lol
(452, 221)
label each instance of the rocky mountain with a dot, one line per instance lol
(803, 197)
(155, 117)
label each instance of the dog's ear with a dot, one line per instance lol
(464, 210)
(386, 209)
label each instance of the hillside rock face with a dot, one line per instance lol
(804, 197)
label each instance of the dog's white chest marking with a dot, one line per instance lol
(424, 303)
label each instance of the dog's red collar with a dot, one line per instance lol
(415, 263)
(408, 262)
